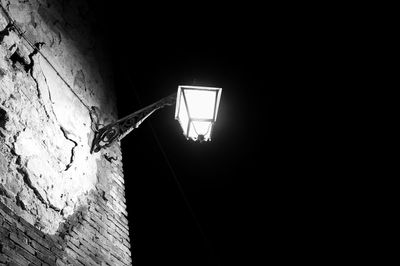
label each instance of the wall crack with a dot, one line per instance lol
(65, 133)
(110, 158)
(29, 68)
(36, 48)
(28, 182)
(5, 32)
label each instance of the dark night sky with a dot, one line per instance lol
(213, 175)
(279, 194)
(276, 197)
(153, 51)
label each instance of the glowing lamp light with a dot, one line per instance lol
(196, 110)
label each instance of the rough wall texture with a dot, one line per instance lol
(58, 202)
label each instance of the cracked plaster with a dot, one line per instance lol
(47, 135)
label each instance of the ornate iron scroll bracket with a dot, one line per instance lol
(110, 133)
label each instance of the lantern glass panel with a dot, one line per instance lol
(200, 128)
(196, 110)
(201, 103)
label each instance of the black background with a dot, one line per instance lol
(280, 181)
(247, 188)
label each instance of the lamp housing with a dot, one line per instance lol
(196, 110)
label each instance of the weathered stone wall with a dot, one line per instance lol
(58, 202)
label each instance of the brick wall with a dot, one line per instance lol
(95, 234)
(59, 204)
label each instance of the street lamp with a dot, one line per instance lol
(196, 110)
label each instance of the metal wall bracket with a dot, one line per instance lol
(110, 133)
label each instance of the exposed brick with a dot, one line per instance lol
(124, 221)
(122, 230)
(29, 227)
(8, 218)
(15, 257)
(77, 250)
(57, 252)
(6, 226)
(7, 243)
(3, 232)
(41, 249)
(35, 236)
(20, 226)
(59, 262)
(3, 258)
(22, 241)
(117, 182)
(31, 258)
(126, 243)
(51, 260)
(86, 260)
(71, 253)
(5, 210)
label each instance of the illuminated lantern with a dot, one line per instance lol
(196, 110)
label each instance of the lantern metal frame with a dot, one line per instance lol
(191, 119)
